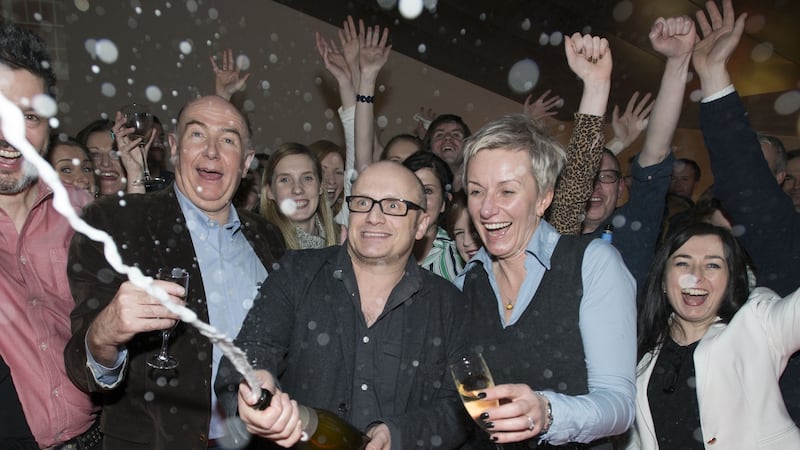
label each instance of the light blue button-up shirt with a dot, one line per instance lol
(232, 275)
(608, 331)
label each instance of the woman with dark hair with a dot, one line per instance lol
(458, 224)
(436, 251)
(400, 147)
(710, 356)
(331, 158)
(116, 158)
(72, 162)
(293, 199)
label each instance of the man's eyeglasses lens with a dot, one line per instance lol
(607, 176)
(388, 206)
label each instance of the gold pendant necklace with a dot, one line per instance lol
(509, 305)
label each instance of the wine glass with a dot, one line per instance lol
(138, 117)
(162, 359)
(472, 376)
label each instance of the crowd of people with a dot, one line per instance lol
(361, 271)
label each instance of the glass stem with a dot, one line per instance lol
(145, 169)
(163, 355)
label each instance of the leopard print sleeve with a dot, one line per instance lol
(576, 182)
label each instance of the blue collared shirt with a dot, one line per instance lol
(232, 274)
(608, 331)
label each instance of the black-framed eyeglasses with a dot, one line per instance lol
(388, 206)
(607, 176)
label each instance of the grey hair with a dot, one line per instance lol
(519, 132)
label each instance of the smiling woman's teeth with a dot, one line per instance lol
(496, 226)
(694, 291)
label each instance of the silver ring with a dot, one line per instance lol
(531, 424)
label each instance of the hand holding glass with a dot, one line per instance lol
(472, 377)
(139, 118)
(162, 360)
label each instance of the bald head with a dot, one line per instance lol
(237, 119)
(392, 178)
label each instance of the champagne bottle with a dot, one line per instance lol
(324, 429)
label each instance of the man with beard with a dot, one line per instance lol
(41, 407)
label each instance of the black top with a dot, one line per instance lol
(544, 347)
(14, 431)
(673, 398)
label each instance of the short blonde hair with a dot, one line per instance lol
(519, 132)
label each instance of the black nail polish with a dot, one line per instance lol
(489, 424)
(484, 416)
(481, 395)
(494, 438)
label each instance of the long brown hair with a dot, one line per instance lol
(270, 209)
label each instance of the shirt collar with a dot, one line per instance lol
(198, 221)
(541, 247)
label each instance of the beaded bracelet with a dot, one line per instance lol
(365, 98)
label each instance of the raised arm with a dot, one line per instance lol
(344, 67)
(589, 57)
(743, 181)
(674, 38)
(373, 54)
(628, 126)
(228, 79)
(339, 64)
(131, 156)
(720, 38)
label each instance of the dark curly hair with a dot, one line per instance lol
(23, 49)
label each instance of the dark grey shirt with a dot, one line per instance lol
(307, 329)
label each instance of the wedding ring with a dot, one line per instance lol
(531, 424)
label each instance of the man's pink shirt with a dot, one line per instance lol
(35, 304)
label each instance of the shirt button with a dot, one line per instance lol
(23, 260)
(713, 441)
(364, 387)
(365, 339)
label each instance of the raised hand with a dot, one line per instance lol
(720, 39)
(632, 122)
(131, 156)
(373, 52)
(673, 37)
(227, 80)
(348, 38)
(423, 118)
(333, 59)
(543, 106)
(589, 57)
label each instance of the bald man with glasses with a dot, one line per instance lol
(359, 329)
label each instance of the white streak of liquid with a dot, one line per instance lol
(13, 127)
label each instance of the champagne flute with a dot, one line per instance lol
(472, 376)
(162, 360)
(138, 117)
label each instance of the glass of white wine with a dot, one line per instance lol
(472, 377)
